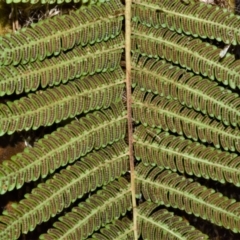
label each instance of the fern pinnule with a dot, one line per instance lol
(81, 61)
(118, 230)
(185, 156)
(192, 54)
(170, 115)
(58, 193)
(164, 187)
(193, 91)
(52, 36)
(197, 19)
(163, 224)
(63, 146)
(43, 108)
(98, 210)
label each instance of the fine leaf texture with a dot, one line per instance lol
(51, 36)
(162, 224)
(81, 61)
(170, 115)
(178, 154)
(98, 210)
(195, 18)
(63, 146)
(191, 53)
(43, 108)
(170, 189)
(52, 197)
(119, 230)
(190, 90)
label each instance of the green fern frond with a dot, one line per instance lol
(164, 187)
(56, 1)
(52, 36)
(98, 210)
(67, 66)
(59, 103)
(197, 19)
(164, 225)
(170, 115)
(45, 201)
(64, 146)
(193, 91)
(118, 230)
(185, 156)
(192, 54)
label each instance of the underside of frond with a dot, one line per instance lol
(190, 90)
(43, 108)
(64, 146)
(100, 209)
(170, 189)
(119, 230)
(178, 154)
(81, 61)
(191, 53)
(45, 201)
(162, 224)
(170, 115)
(52, 36)
(189, 17)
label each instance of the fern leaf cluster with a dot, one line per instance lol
(43, 108)
(191, 53)
(164, 187)
(179, 154)
(163, 223)
(190, 90)
(52, 36)
(99, 210)
(68, 76)
(184, 90)
(197, 19)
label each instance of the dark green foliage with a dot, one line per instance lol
(63, 146)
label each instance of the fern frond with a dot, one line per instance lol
(195, 92)
(64, 146)
(101, 57)
(160, 112)
(164, 225)
(196, 18)
(50, 198)
(170, 189)
(185, 156)
(59, 103)
(52, 36)
(190, 53)
(119, 230)
(101, 208)
(90, 2)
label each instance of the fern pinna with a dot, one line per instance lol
(67, 77)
